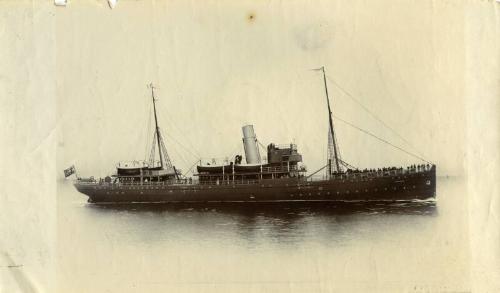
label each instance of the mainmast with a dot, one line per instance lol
(332, 144)
(156, 124)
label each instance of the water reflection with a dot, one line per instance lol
(250, 225)
(282, 210)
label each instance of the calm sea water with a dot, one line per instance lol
(416, 247)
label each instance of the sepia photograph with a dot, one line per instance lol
(249, 146)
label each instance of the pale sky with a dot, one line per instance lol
(223, 65)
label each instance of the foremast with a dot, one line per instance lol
(333, 156)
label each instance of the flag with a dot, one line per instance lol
(69, 171)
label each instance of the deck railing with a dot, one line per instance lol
(265, 170)
(237, 181)
(174, 182)
(366, 174)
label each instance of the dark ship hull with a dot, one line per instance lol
(405, 185)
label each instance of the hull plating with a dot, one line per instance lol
(417, 186)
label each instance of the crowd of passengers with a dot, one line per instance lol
(412, 168)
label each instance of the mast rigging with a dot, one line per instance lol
(333, 152)
(162, 151)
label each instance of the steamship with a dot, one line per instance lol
(280, 177)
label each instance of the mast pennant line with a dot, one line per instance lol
(373, 115)
(381, 139)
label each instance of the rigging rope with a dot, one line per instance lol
(347, 165)
(373, 115)
(233, 152)
(174, 127)
(148, 133)
(308, 176)
(181, 145)
(381, 139)
(152, 153)
(190, 168)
